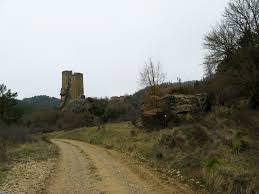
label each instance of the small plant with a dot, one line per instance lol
(212, 164)
(93, 140)
(213, 179)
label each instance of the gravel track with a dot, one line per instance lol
(85, 168)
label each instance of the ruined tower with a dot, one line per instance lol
(66, 85)
(72, 87)
(77, 87)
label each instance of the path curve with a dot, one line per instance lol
(86, 168)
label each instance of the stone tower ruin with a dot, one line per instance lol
(77, 88)
(72, 87)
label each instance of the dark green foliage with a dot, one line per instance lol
(155, 122)
(119, 111)
(29, 105)
(80, 113)
(212, 164)
(51, 120)
(97, 106)
(8, 110)
(41, 102)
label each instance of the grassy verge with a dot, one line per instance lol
(3, 171)
(143, 146)
(36, 150)
(212, 155)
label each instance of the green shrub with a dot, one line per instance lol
(212, 164)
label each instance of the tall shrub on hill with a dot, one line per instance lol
(232, 60)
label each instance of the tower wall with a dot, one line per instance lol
(77, 86)
(66, 78)
(66, 83)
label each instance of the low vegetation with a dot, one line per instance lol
(22, 148)
(217, 153)
(17, 143)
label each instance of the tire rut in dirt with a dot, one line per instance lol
(75, 172)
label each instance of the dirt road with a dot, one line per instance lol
(85, 168)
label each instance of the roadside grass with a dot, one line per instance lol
(37, 150)
(206, 155)
(125, 138)
(109, 135)
(3, 171)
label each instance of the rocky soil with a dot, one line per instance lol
(28, 177)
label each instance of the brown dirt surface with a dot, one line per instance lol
(85, 168)
(28, 176)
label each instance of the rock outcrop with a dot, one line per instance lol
(176, 104)
(158, 111)
(180, 103)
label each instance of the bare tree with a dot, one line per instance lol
(243, 16)
(240, 25)
(220, 43)
(233, 47)
(152, 76)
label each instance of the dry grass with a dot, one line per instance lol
(37, 150)
(215, 152)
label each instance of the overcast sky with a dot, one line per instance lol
(107, 40)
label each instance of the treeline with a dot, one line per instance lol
(82, 113)
(232, 60)
(42, 114)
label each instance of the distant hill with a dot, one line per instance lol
(42, 101)
(38, 103)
